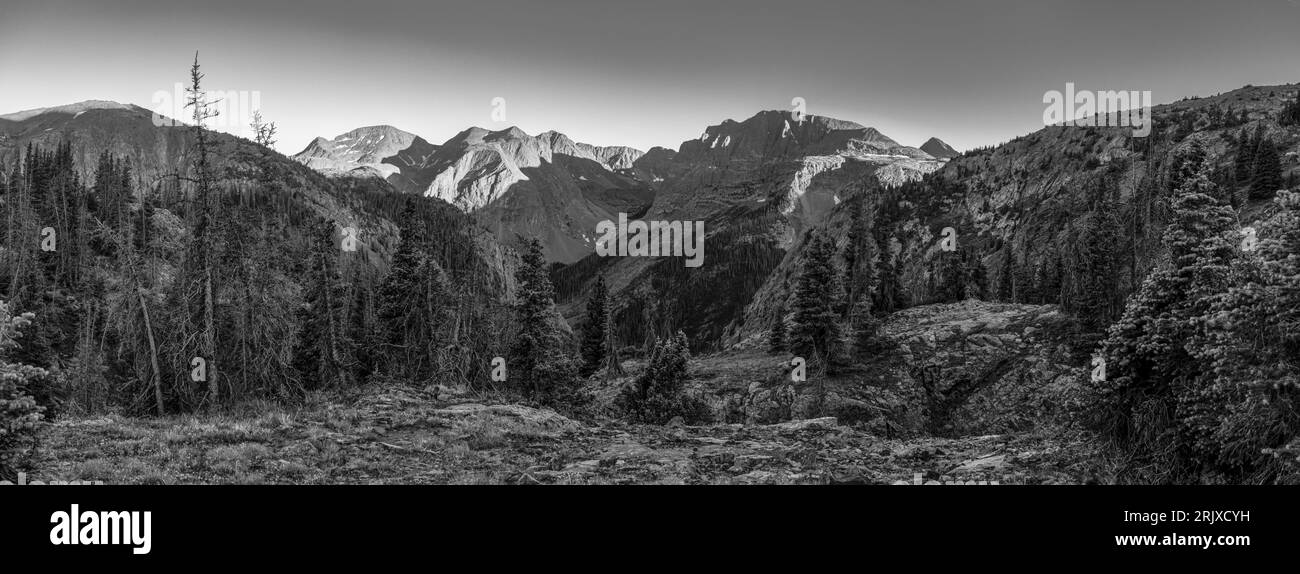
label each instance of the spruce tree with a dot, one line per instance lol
(1290, 114)
(814, 329)
(658, 394)
(323, 355)
(1244, 161)
(19, 413)
(1267, 173)
(594, 331)
(1098, 270)
(412, 303)
(860, 258)
(542, 371)
(1153, 372)
(776, 331)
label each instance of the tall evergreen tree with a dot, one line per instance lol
(1097, 285)
(860, 258)
(324, 354)
(1243, 162)
(814, 329)
(1266, 176)
(1290, 114)
(1153, 374)
(412, 303)
(776, 331)
(594, 331)
(541, 369)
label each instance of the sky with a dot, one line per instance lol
(645, 73)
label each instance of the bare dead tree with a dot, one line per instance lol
(197, 99)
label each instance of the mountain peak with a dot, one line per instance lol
(781, 132)
(512, 132)
(939, 149)
(74, 109)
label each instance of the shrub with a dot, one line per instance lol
(658, 394)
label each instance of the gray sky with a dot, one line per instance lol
(644, 73)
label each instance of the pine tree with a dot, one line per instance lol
(1098, 270)
(1187, 162)
(961, 275)
(1023, 279)
(1290, 114)
(1244, 161)
(541, 369)
(658, 394)
(1266, 176)
(860, 258)
(1047, 277)
(412, 303)
(201, 253)
(1007, 277)
(1154, 374)
(19, 413)
(814, 329)
(776, 331)
(324, 353)
(594, 332)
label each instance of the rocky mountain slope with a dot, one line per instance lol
(1024, 206)
(544, 186)
(154, 152)
(939, 149)
(757, 185)
(360, 153)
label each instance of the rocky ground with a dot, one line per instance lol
(871, 425)
(405, 436)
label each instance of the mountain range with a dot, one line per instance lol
(758, 185)
(554, 188)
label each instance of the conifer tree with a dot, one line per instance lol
(1290, 114)
(323, 355)
(814, 329)
(412, 303)
(594, 331)
(201, 258)
(776, 332)
(1097, 272)
(19, 413)
(541, 369)
(1153, 373)
(1243, 163)
(658, 394)
(860, 258)
(1266, 176)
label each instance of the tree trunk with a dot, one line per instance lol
(153, 354)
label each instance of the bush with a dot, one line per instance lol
(658, 394)
(20, 416)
